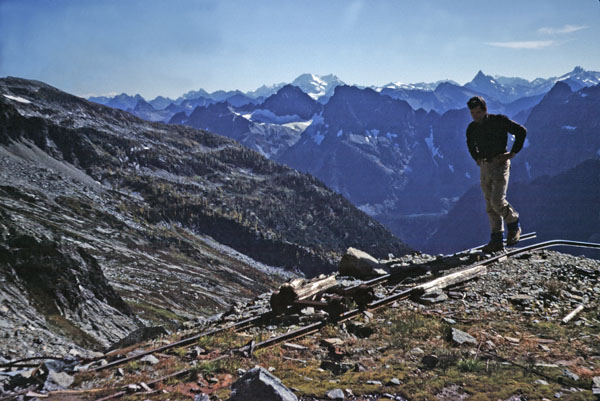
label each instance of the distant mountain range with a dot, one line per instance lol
(440, 96)
(398, 152)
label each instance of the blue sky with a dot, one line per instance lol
(167, 48)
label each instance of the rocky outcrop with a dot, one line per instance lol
(360, 264)
(61, 291)
(259, 384)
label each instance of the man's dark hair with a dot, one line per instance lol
(477, 101)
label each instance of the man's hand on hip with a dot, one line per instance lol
(505, 156)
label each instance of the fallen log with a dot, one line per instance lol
(299, 289)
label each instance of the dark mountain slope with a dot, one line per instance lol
(290, 100)
(221, 118)
(361, 145)
(563, 131)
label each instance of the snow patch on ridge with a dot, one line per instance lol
(267, 116)
(298, 125)
(318, 138)
(435, 151)
(368, 209)
(17, 99)
(372, 132)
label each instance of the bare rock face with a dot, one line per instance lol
(259, 384)
(360, 264)
(68, 295)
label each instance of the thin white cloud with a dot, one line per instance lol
(530, 44)
(352, 13)
(565, 29)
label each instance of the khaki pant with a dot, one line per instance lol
(494, 182)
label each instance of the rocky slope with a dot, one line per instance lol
(500, 337)
(170, 216)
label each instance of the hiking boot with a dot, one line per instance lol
(496, 244)
(514, 233)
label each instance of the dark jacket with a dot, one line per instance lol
(489, 138)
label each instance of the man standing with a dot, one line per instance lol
(487, 137)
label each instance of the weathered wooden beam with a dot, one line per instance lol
(300, 289)
(450, 279)
(571, 315)
(314, 287)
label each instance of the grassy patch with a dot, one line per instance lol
(224, 340)
(225, 365)
(156, 315)
(470, 365)
(405, 329)
(66, 327)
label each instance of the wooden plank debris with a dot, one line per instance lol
(450, 279)
(571, 315)
(300, 289)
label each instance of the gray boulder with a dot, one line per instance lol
(336, 394)
(58, 381)
(433, 297)
(596, 383)
(56, 376)
(259, 384)
(137, 336)
(460, 337)
(357, 263)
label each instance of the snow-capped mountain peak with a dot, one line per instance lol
(317, 86)
(580, 78)
(425, 86)
(481, 78)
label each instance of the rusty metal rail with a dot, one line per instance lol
(410, 291)
(386, 277)
(254, 321)
(242, 325)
